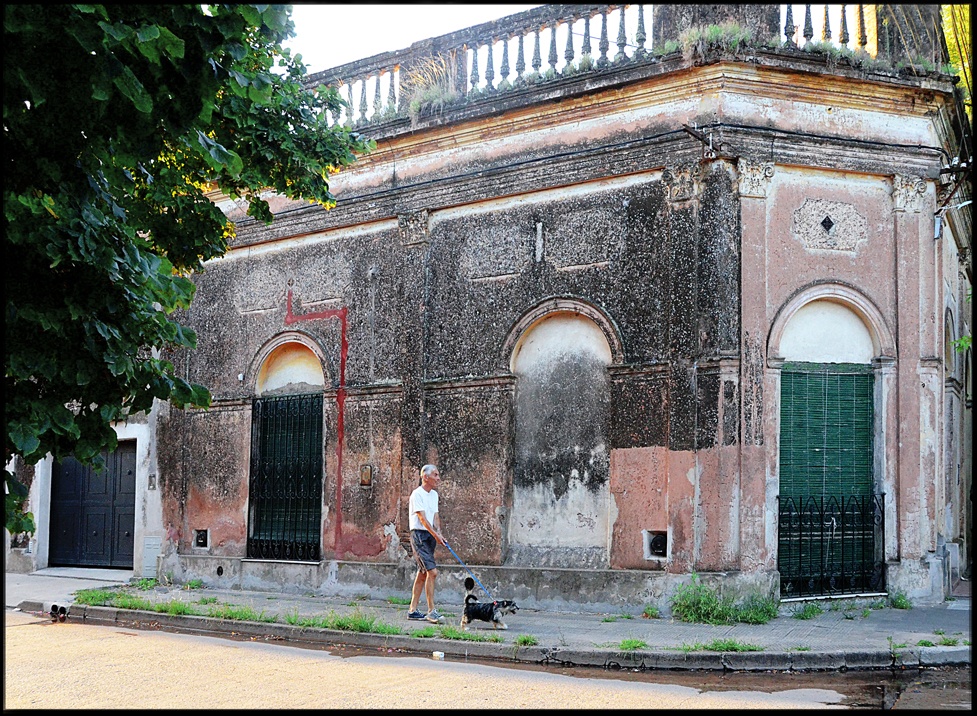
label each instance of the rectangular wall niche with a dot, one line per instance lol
(656, 544)
(201, 538)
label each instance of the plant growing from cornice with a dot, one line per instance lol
(429, 85)
(726, 37)
(667, 48)
(117, 121)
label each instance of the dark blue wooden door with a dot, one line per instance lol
(93, 512)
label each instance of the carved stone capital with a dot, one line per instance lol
(754, 178)
(414, 228)
(963, 259)
(681, 182)
(907, 192)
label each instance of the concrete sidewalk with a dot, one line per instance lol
(859, 637)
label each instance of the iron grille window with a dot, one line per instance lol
(285, 500)
(831, 521)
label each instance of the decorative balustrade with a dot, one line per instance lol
(556, 41)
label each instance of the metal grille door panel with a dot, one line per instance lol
(285, 510)
(831, 520)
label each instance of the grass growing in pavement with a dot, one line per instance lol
(651, 612)
(721, 645)
(237, 613)
(453, 633)
(756, 609)
(131, 601)
(124, 600)
(632, 645)
(176, 608)
(456, 634)
(398, 600)
(695, 602)
(94, 597)
(808, 611)
(355, 622)
(526, 640)
(900, 601)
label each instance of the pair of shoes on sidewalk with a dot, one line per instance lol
(433, 616)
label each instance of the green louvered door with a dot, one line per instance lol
(830, 521)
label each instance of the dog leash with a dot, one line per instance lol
(469, 571)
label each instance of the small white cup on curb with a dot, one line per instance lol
(438, 655)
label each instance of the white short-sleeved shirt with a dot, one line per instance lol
(423, 501)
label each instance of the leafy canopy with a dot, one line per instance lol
(117, 119)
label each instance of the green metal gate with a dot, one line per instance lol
(285, 499)
(831, 520)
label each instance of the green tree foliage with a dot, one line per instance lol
(117, 120)
(959, 43)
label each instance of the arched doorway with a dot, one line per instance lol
(285, 485)
(830, 526)
(560, 494)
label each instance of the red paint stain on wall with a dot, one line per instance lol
(339, 313)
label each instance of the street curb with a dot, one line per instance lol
(675, 660)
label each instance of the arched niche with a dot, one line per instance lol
(289, 364)
(561, 461)
(826, 331)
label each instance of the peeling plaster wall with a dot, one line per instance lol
(453, 245)
(560, 511)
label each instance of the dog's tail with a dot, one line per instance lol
(470, 599)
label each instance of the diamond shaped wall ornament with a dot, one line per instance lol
(825, 225)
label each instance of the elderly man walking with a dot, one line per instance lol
(425, 533)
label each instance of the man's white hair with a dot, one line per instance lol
(428, 469)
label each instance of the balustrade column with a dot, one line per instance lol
(604, 44)
(490, 67)
(862, 35)
(362, 117)
(474, 78)
(377, 102)
(552, 55)
(808, 24)
(622, 40)
(640, 37)
(568, 53)
(520, 60)
(537, 60)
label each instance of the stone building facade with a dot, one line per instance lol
(686, 310)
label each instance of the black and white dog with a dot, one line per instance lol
(485, 611)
